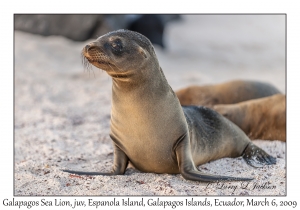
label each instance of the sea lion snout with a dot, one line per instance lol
(86, 48)
(92, 53)
(90, 46)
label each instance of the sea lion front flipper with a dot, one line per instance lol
(257, 157)
(188, 169)
(120, 165)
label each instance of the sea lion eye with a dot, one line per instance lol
(117, 46)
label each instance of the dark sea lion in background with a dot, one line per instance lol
(225, 93)
(149, 127)
(263, 118)
(151, 26)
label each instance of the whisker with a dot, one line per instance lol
(86, 64)
(89, 67)
(93, 73)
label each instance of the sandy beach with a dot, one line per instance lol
(62, 112)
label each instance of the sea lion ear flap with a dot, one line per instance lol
(142, 51)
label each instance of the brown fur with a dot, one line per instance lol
(263, 118)
(226, 93)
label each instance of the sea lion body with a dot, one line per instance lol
(149, 127)
(212, 136)
(225, 93)
(139, 130)
(263, 118)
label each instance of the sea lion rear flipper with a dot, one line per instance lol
(257, 157)
(188, 169)
(120, 165)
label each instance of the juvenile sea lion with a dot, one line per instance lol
(263, 118)
(225, 93)
(149, 127)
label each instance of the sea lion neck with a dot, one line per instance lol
(138, 79)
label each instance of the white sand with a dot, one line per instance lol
(62, 113)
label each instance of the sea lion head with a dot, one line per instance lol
(120, 53)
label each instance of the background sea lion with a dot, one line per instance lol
(225, 93)
(149, 128)
(263, 118)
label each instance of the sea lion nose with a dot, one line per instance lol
(87, 47)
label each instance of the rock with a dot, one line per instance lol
(75, 27)
(84, 27)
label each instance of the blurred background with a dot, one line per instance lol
(197, 47)
(62, 112)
